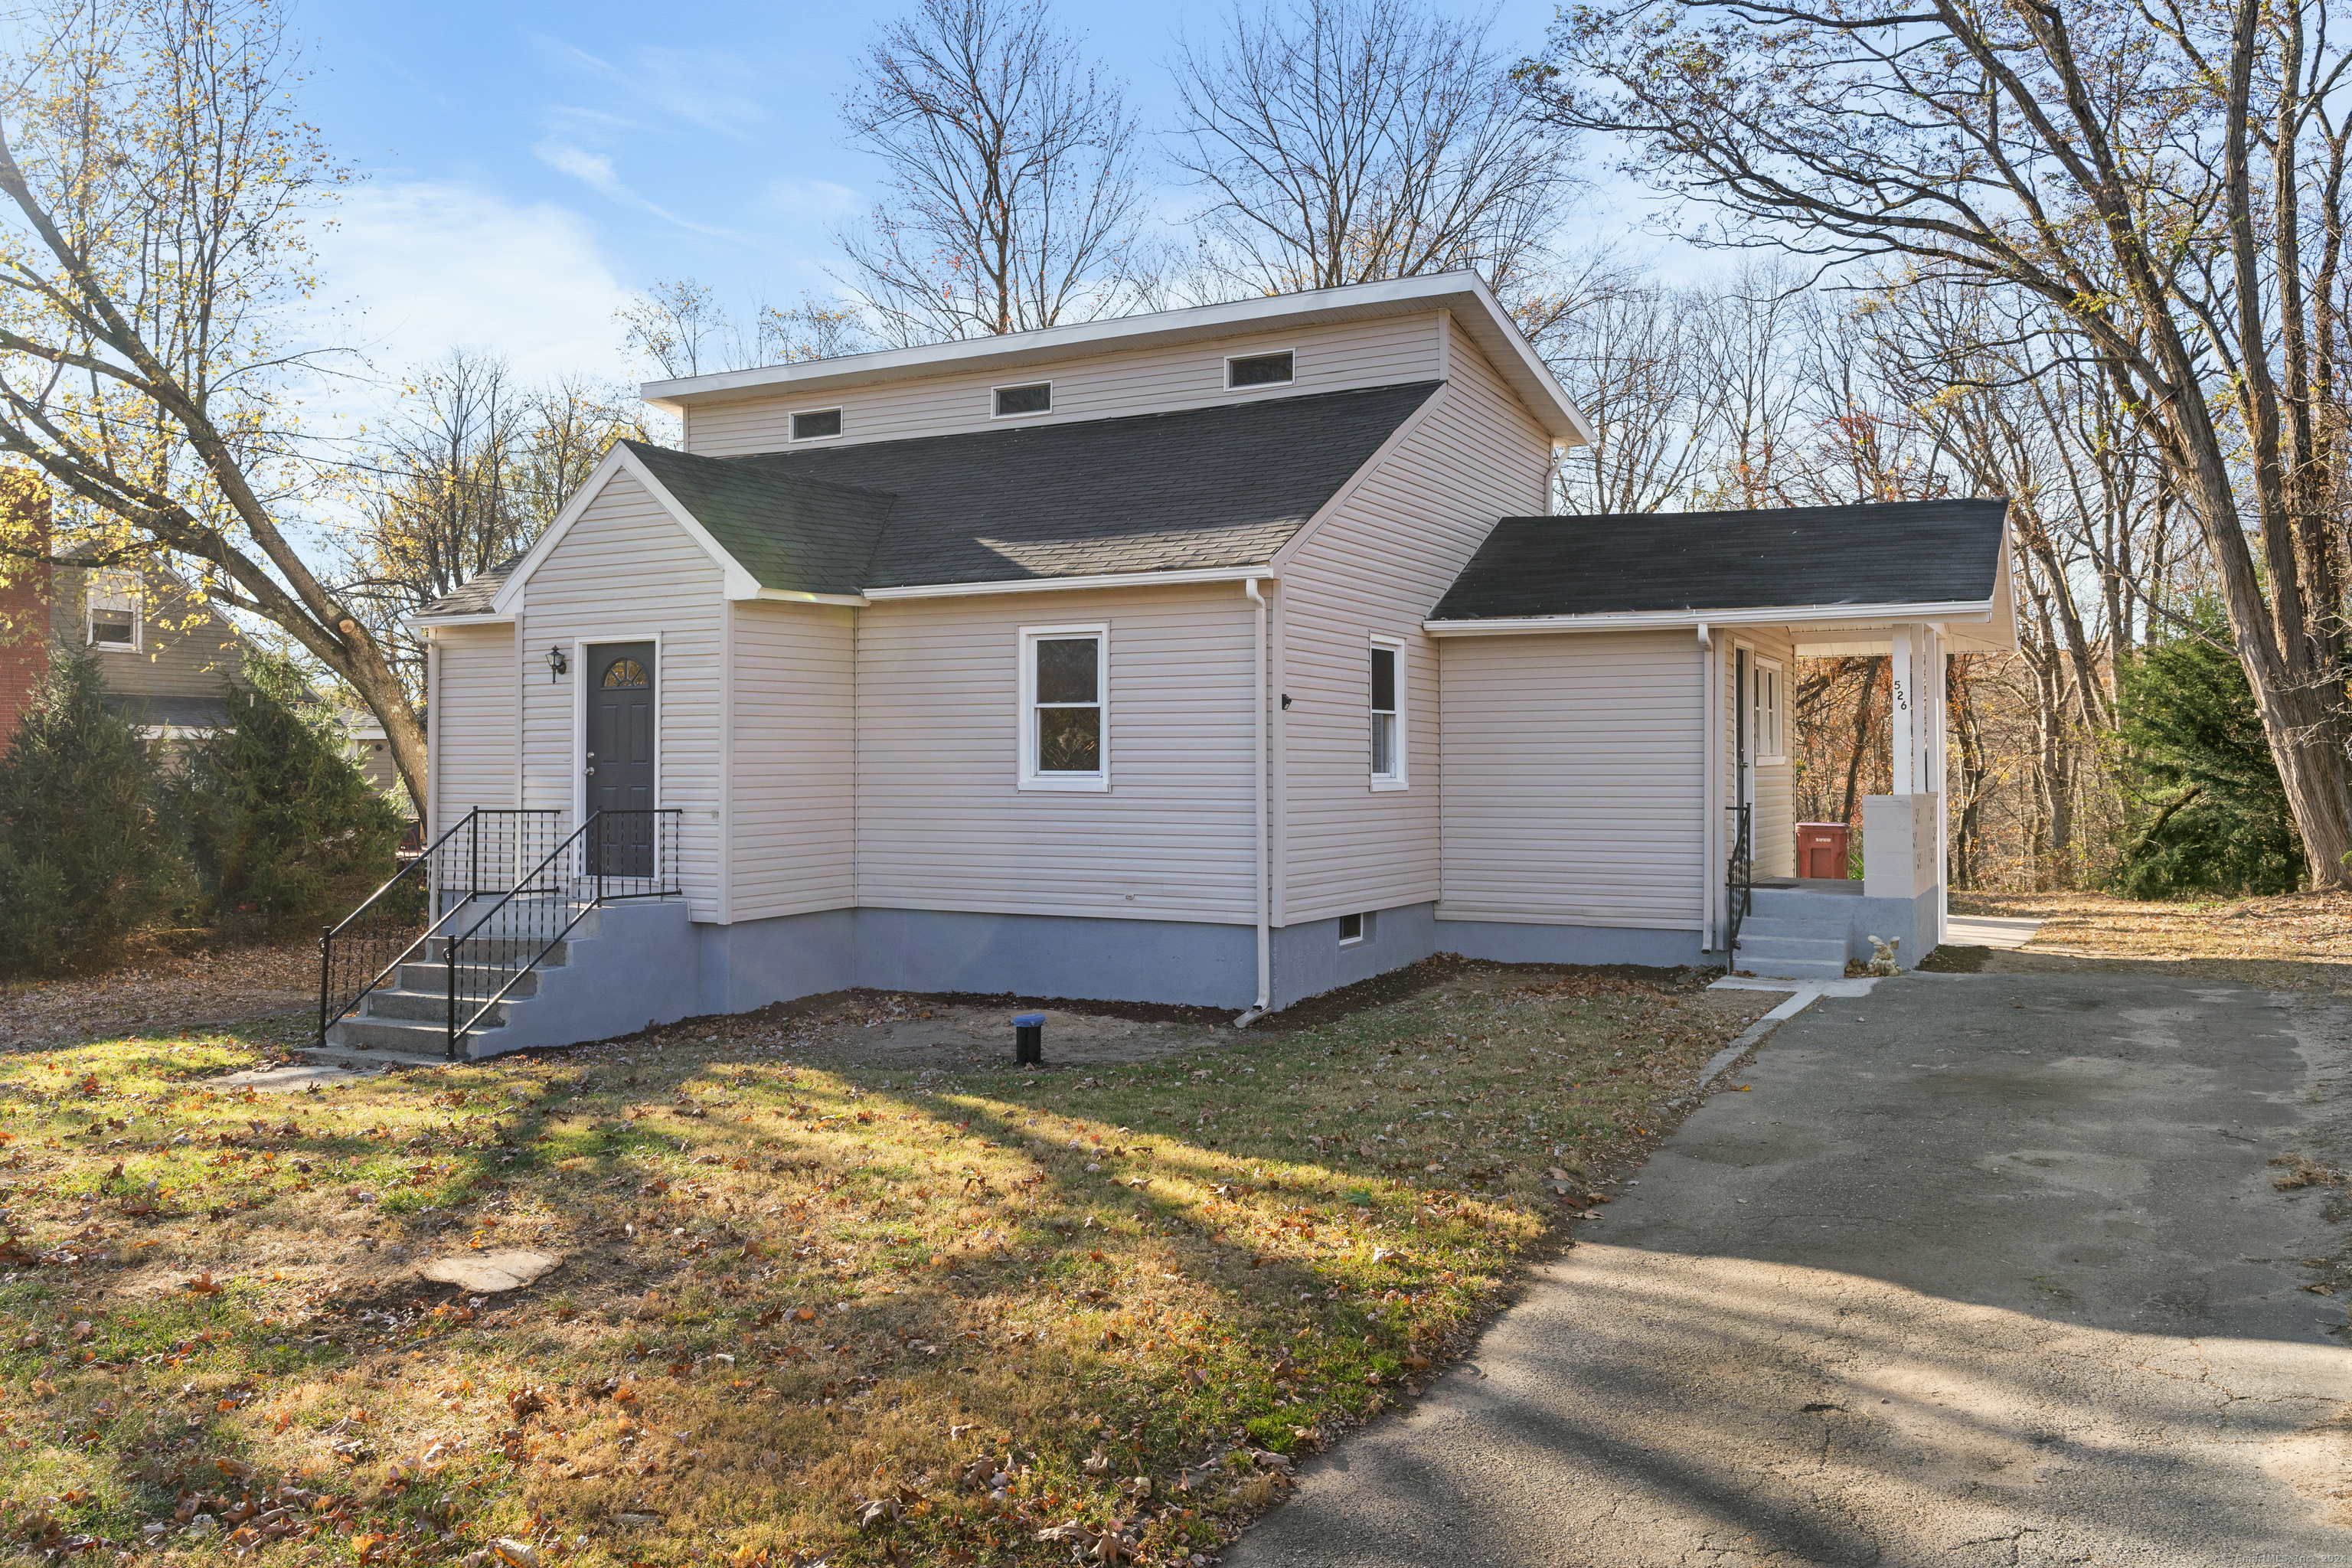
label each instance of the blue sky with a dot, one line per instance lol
(527, 166)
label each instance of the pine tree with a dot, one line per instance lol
(2192, 734)
(87, 855)
(283, 828)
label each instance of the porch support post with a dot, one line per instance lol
(1939, 738)
(1903, 721)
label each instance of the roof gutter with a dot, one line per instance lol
(1959, 611)
(480, 618)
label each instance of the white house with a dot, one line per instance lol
(1221, 656)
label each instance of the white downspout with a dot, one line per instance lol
(1258, 1009)
(1711, 819)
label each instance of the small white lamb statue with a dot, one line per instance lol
(1882, 956)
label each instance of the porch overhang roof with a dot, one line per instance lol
(1839, 577)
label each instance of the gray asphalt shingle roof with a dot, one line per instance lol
(1895, 552)
(473, 598)
(1225, 486)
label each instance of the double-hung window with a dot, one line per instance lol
(1387, 713)
(1066, 708)
(1764, 723)
(113, 611)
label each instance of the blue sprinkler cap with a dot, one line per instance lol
(1028, 1020)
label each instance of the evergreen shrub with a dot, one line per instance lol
(87, 852)
(285, 832)
(2189, 722)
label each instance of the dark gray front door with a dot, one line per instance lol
(620, 761)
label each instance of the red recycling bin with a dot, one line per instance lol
(1822, 849)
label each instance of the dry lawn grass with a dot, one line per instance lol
(181, 990)
(812, 1304)
(2283, 940)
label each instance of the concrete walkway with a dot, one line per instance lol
(1984, 1270)
(1989, 930)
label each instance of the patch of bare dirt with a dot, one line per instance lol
(965, 1031)
(167, 993)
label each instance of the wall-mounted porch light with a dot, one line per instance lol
(556, 665)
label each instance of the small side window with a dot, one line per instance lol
(1036, 399)
(1354, 929)
(816, 424)
(1259, 370)
(1387, 714)
(1767, 717)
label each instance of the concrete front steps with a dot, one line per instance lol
(624, 967)
(411, 1016)
(1783, 948)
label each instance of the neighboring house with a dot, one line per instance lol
(164, 654)
(1219, 656)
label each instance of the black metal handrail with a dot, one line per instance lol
(366, 948)
(614, 856)
(1738, 883)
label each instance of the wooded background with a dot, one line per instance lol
(2084, 258)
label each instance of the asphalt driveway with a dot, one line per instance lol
(1984, 1270)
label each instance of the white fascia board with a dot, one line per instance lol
(1976, 611)
(1480, 314)
(1065, 584)
(484, 618)
(794, 596)
(739, 582)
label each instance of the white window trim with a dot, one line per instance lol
(1363, 929)
(1758, 665)
(1026, 764)
(792, 423)
(1402, 777)
(90, 595)
(1017, 387)
(1262, 386)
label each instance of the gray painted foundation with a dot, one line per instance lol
(648, 962)
(1510, 942)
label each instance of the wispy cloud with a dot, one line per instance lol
(443, 265)
(704, 88)
(595, 170)
(810, 200)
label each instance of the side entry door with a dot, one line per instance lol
(619, 767)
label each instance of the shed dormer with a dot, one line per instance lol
(1333, 340)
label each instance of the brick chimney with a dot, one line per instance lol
(26, 589)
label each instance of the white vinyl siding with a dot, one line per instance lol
(1374, 569)
(1774, 820)
(627, 571)
(1573, 769)
(942, 822)
(473, 750)
(793, 839)
(1377, 352)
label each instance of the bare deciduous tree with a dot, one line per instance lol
(2167, 179)
(1010, 165)
(1350, 141)
(471, 472)
(156, 178)
(681, 327)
